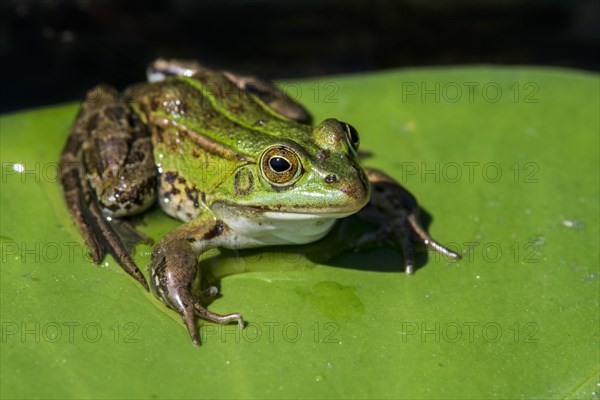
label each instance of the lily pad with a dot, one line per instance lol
(505, 160)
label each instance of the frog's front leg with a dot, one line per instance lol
(399, 215)
(175, 274)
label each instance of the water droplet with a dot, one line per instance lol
(18, 167)
(572, 224)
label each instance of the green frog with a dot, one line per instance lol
(236, 160)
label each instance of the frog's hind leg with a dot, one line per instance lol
(105, 143)
(264, 91)
(128, 234)
(98, 234)
(400, 215)
(79, 206)
(271, 96)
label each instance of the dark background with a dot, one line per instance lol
(53, 51)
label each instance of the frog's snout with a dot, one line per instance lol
(359, 192)
(356, 187)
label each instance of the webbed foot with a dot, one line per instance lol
(397, 212)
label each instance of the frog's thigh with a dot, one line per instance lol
(389, 196)
(266, 92)
(116, 154)
(273, 97)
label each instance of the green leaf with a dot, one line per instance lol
(505, 160)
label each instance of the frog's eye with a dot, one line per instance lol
(280, 165)
(352, 135)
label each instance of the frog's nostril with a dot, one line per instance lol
(331, 178)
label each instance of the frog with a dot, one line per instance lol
(233, 157)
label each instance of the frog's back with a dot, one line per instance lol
(203, 130)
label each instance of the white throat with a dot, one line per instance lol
(259, 228)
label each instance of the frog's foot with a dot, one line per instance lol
(129, 234)
(191, 307)
(174, 277)
(398, 215)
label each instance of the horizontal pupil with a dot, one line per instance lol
(279, 164)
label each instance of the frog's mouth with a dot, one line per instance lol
(276, 213)
(269, 226)
(296, 216)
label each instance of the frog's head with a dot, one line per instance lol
(334, 166)
(313, 173)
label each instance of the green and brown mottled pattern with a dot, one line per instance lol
(234, 158)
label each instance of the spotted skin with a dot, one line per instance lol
(178, 198)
